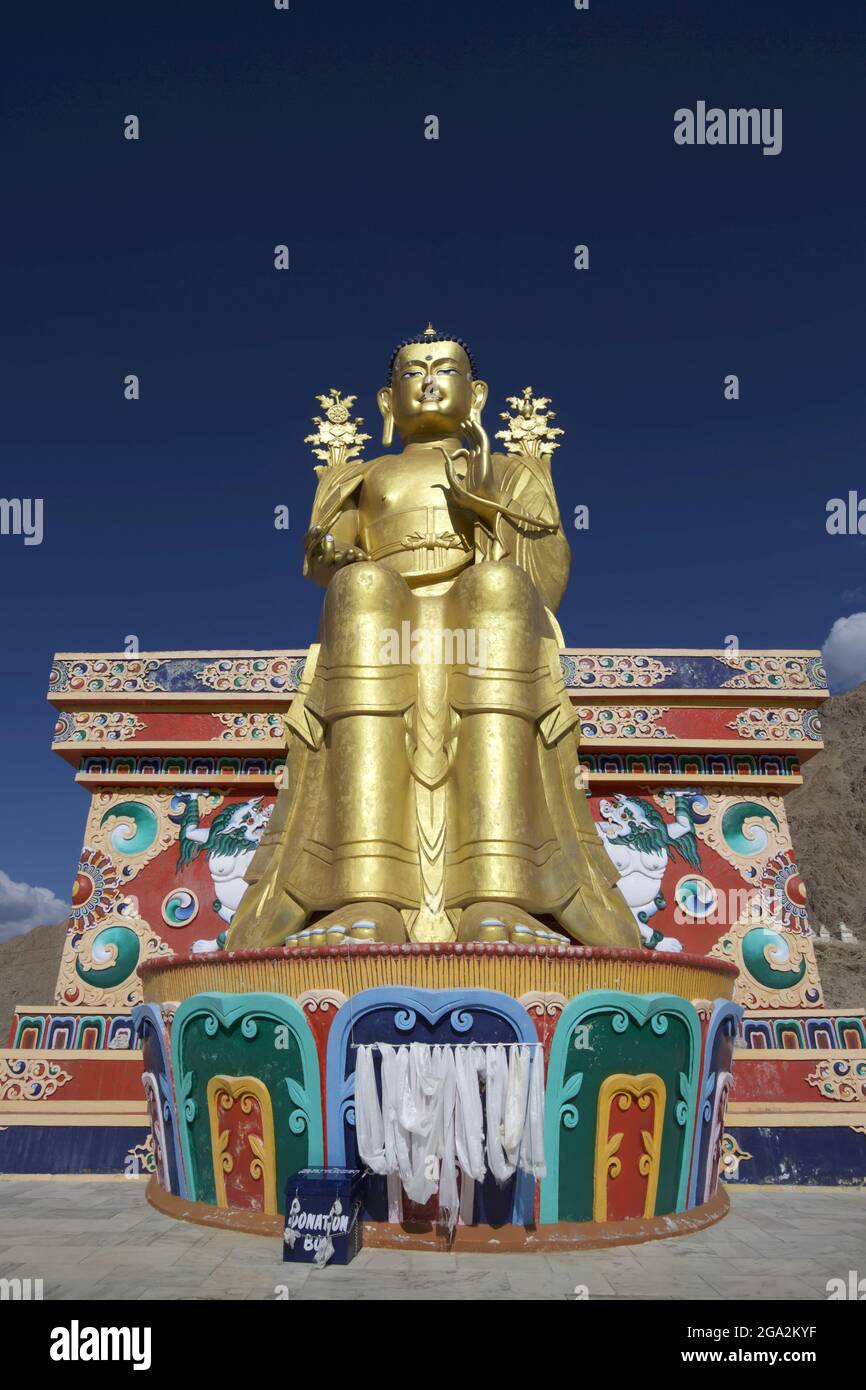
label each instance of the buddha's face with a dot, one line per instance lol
(432, 391)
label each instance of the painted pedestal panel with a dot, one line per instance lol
(636, 1082)
(434, 1016)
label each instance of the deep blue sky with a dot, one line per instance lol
(306, 127)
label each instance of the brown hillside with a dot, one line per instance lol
(28, 971)
(842, 968)
(827, 816)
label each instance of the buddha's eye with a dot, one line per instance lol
(447, 371)
(405, 375)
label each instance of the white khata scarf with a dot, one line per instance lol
(532, 1145)
(430, 1123)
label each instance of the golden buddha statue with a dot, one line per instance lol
(432, 788)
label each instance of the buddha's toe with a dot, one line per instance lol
(522, 934)
(353, 924)
(493, 921)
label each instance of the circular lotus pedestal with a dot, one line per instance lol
(249, 1061)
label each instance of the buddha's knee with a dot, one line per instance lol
(363, 603)
(495, 587)
(365, 588)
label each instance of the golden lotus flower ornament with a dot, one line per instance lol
(528, 429)
(337, 438)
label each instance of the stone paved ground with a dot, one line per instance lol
(101, 1240)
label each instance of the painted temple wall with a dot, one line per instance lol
(174, 749)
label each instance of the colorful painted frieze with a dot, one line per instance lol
(115, 674)
(63, 1029)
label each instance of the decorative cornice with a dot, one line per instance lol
(443, 948)
(509, 969)
(262, 677)
(72, 1054)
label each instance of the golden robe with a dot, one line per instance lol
(433, 780)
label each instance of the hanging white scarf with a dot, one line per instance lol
(469, 1114)
(422, 1102)
(516, 1094)
(369, 1125)
(395, 1067)
(382, 1142)
(431, 1121)
(497, 1082)
(532, 1145)
(469, 1127)
(440, 1157)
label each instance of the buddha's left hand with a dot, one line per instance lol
(476, 489)
(321, 546)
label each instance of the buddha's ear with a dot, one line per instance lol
(385, 402)
(479, 398)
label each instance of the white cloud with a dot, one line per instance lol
(23, 907)
(845, 652)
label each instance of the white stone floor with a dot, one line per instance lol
(101, 1240)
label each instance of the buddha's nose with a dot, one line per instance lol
(430, 389)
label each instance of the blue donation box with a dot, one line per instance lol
(323, 1216)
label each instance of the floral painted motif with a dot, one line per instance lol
(30, 1078)
(96, 726)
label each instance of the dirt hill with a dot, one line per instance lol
(842, 967)
(828, 827)
(827, 816)
(28, 970)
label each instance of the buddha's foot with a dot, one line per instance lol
(605, 921)
(352, 925)
(265, 918)
(504, 922)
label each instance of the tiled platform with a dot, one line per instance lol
(100, 1240)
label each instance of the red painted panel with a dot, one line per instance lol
(100, 1077)
(775, 1078)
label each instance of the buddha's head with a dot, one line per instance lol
(432, 389)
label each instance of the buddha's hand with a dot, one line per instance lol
(475, 488)
(322, 548)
